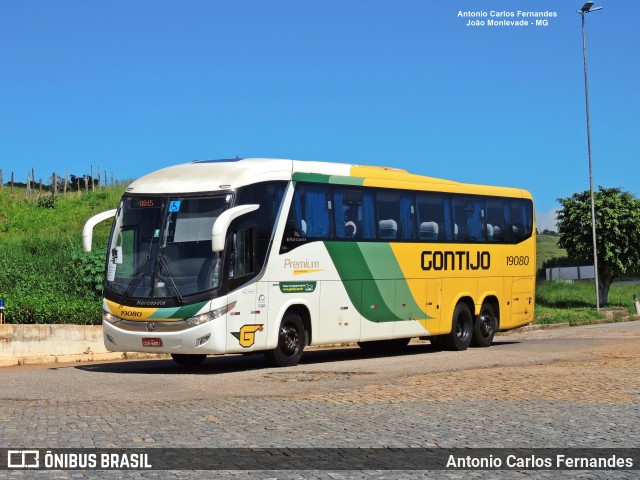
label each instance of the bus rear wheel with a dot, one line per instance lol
(187, 360)
(461, 329)
(291, 342)
(484, 328)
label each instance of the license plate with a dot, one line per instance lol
(151, 342)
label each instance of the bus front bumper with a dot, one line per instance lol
(150, 337)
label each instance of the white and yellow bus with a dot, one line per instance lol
(250, 255)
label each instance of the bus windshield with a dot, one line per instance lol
(160, 246)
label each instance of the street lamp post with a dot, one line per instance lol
(587, 8)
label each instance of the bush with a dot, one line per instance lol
(53, 308)
(89, 269)
(47, 201)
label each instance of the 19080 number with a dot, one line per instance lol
(518, 260)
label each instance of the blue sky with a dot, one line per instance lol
(136, 86)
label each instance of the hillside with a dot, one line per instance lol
(45, 276)
(547, 248)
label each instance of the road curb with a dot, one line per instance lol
(533, 328)
(75, 358)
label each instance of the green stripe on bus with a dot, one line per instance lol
(179, 312)
(340, 180)
(372, 298)
(383, 263)
(333, 179)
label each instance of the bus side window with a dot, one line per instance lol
(269, 196)
(347, 211)
(495, 218)
(388, 205)
(468, 215)
(433, 217)
(316, 212)
(521, 220)
(309, 217)
(395, 215)
(241, 261)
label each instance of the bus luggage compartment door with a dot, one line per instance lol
(340, 318)
(521, 301)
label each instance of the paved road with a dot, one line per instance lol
(571, 387)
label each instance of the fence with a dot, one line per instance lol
(58, 183)
(570, 273)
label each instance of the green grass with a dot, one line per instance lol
(22, 218)
(560, 302)
(547, 248)
(574, 303)
(45, 277)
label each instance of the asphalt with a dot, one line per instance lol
(563, 388)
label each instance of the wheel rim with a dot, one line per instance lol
(289, 339)
(462, 330)
(485, 325)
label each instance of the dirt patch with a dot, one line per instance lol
(612, 378)
(312, 376)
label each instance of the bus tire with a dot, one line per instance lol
(291, 342)
(461, 329)
(188, 360)
(484, 327)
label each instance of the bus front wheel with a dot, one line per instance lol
(484, 328)
(461, 329)
(291, 342)
(186, 360)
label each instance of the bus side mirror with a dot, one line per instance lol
(87, 230)
(220, 226)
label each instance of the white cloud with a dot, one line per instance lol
(547, 220)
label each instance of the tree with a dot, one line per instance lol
(617, 233)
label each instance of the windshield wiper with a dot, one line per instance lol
(164, 265)
(136, 280)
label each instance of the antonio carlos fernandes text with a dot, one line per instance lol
(533, 461)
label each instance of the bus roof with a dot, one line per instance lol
(223, 175)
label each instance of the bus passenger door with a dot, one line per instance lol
(339, 319)
(245, 322)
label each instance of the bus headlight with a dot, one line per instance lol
(212, 315)
(109, 317)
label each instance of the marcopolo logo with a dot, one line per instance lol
(458, 260)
